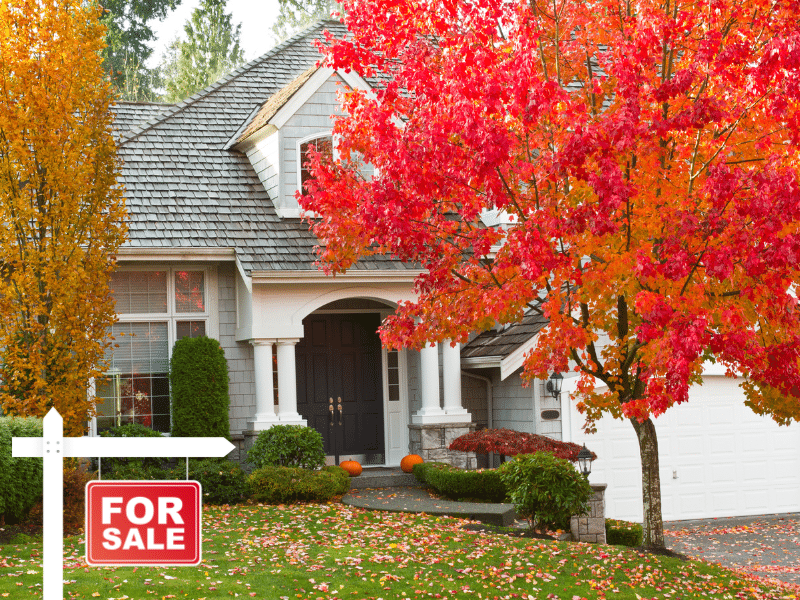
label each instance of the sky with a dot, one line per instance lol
(256, 17)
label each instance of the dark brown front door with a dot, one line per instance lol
(339, 359)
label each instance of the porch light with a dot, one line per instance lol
(585, 458)
(553, 386)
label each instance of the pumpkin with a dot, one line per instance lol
(353, 467)
(408, 462)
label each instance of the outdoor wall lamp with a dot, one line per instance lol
(585, 458)
(553, 386)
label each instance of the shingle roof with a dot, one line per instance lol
(184, 189)
(505, 342)
(131, 115)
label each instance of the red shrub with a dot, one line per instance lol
(510, 443)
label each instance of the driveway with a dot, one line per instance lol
(767, 546)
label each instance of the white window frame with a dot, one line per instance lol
(299, 153)
(171, 317)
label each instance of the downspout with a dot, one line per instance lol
(489, 404)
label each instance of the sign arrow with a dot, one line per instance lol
(127, 446)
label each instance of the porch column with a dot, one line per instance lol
(451, 359)
(287, 384)
(431, 411)
(265, 416)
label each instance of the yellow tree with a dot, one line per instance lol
(61, 209)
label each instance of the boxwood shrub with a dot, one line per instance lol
(288, 446)
(223, 481)
(458, 484)
(420, 470)
(286, 485)
(545, 490)
(20, 478)
(623, 533)
(198, 376)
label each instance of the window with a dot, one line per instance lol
(155, 309)
(322, 144)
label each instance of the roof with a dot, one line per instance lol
(501, 344)
(185, 189)
(274, 104)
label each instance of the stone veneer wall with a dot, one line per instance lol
(431, 443)
(591, 527)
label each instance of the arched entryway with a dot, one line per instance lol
(340, 379)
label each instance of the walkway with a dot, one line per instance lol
(767, 546)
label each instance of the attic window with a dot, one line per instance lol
(322, 144)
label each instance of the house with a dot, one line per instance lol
(217, 248)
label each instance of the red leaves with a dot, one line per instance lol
(510, 443)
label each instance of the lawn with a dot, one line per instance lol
(333, 551)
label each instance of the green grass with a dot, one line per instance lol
(332, 551)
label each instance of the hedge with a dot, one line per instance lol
(458, 484)
(623, 533)
(284, 485)
(20, 478)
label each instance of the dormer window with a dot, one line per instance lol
(322, 143)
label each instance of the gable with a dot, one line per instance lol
(300, 112)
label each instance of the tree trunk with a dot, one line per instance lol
(653, 526)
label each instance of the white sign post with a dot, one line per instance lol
(53, 447)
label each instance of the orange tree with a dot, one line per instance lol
(61, 209)
(644, 156)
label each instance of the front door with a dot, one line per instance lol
(339, 387)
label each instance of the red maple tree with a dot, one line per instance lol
(640, 158)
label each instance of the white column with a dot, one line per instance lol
(287, 384)
(431, 411)
(265, 415)
(451, 362)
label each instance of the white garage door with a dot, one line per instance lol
(717, 458)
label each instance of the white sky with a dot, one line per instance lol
(256, 17)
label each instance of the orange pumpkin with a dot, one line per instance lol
(353, 467)
(408, 462)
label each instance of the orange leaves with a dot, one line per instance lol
(61, 207)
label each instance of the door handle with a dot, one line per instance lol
(339, 400)
(330, 408)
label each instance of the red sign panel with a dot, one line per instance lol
(143, 523)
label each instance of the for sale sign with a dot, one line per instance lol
(143, 523)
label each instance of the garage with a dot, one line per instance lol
(717, 458)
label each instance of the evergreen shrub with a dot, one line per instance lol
(288, 446)
(110, 465)
(623, 533)
(199, 384)
(286, 485)
(20, 478)
(420, 470)
(223, 481)
(458, 484)
(545, 490)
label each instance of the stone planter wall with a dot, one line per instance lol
(591, 527)
(431, 443)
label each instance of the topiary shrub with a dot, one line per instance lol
(288, 446)
(198, 378)
(285, 485)
(223, 481)
(458, 484)
(109, 465)
(420, 470)
(623, 533)
(545, 490)
(20, 478)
